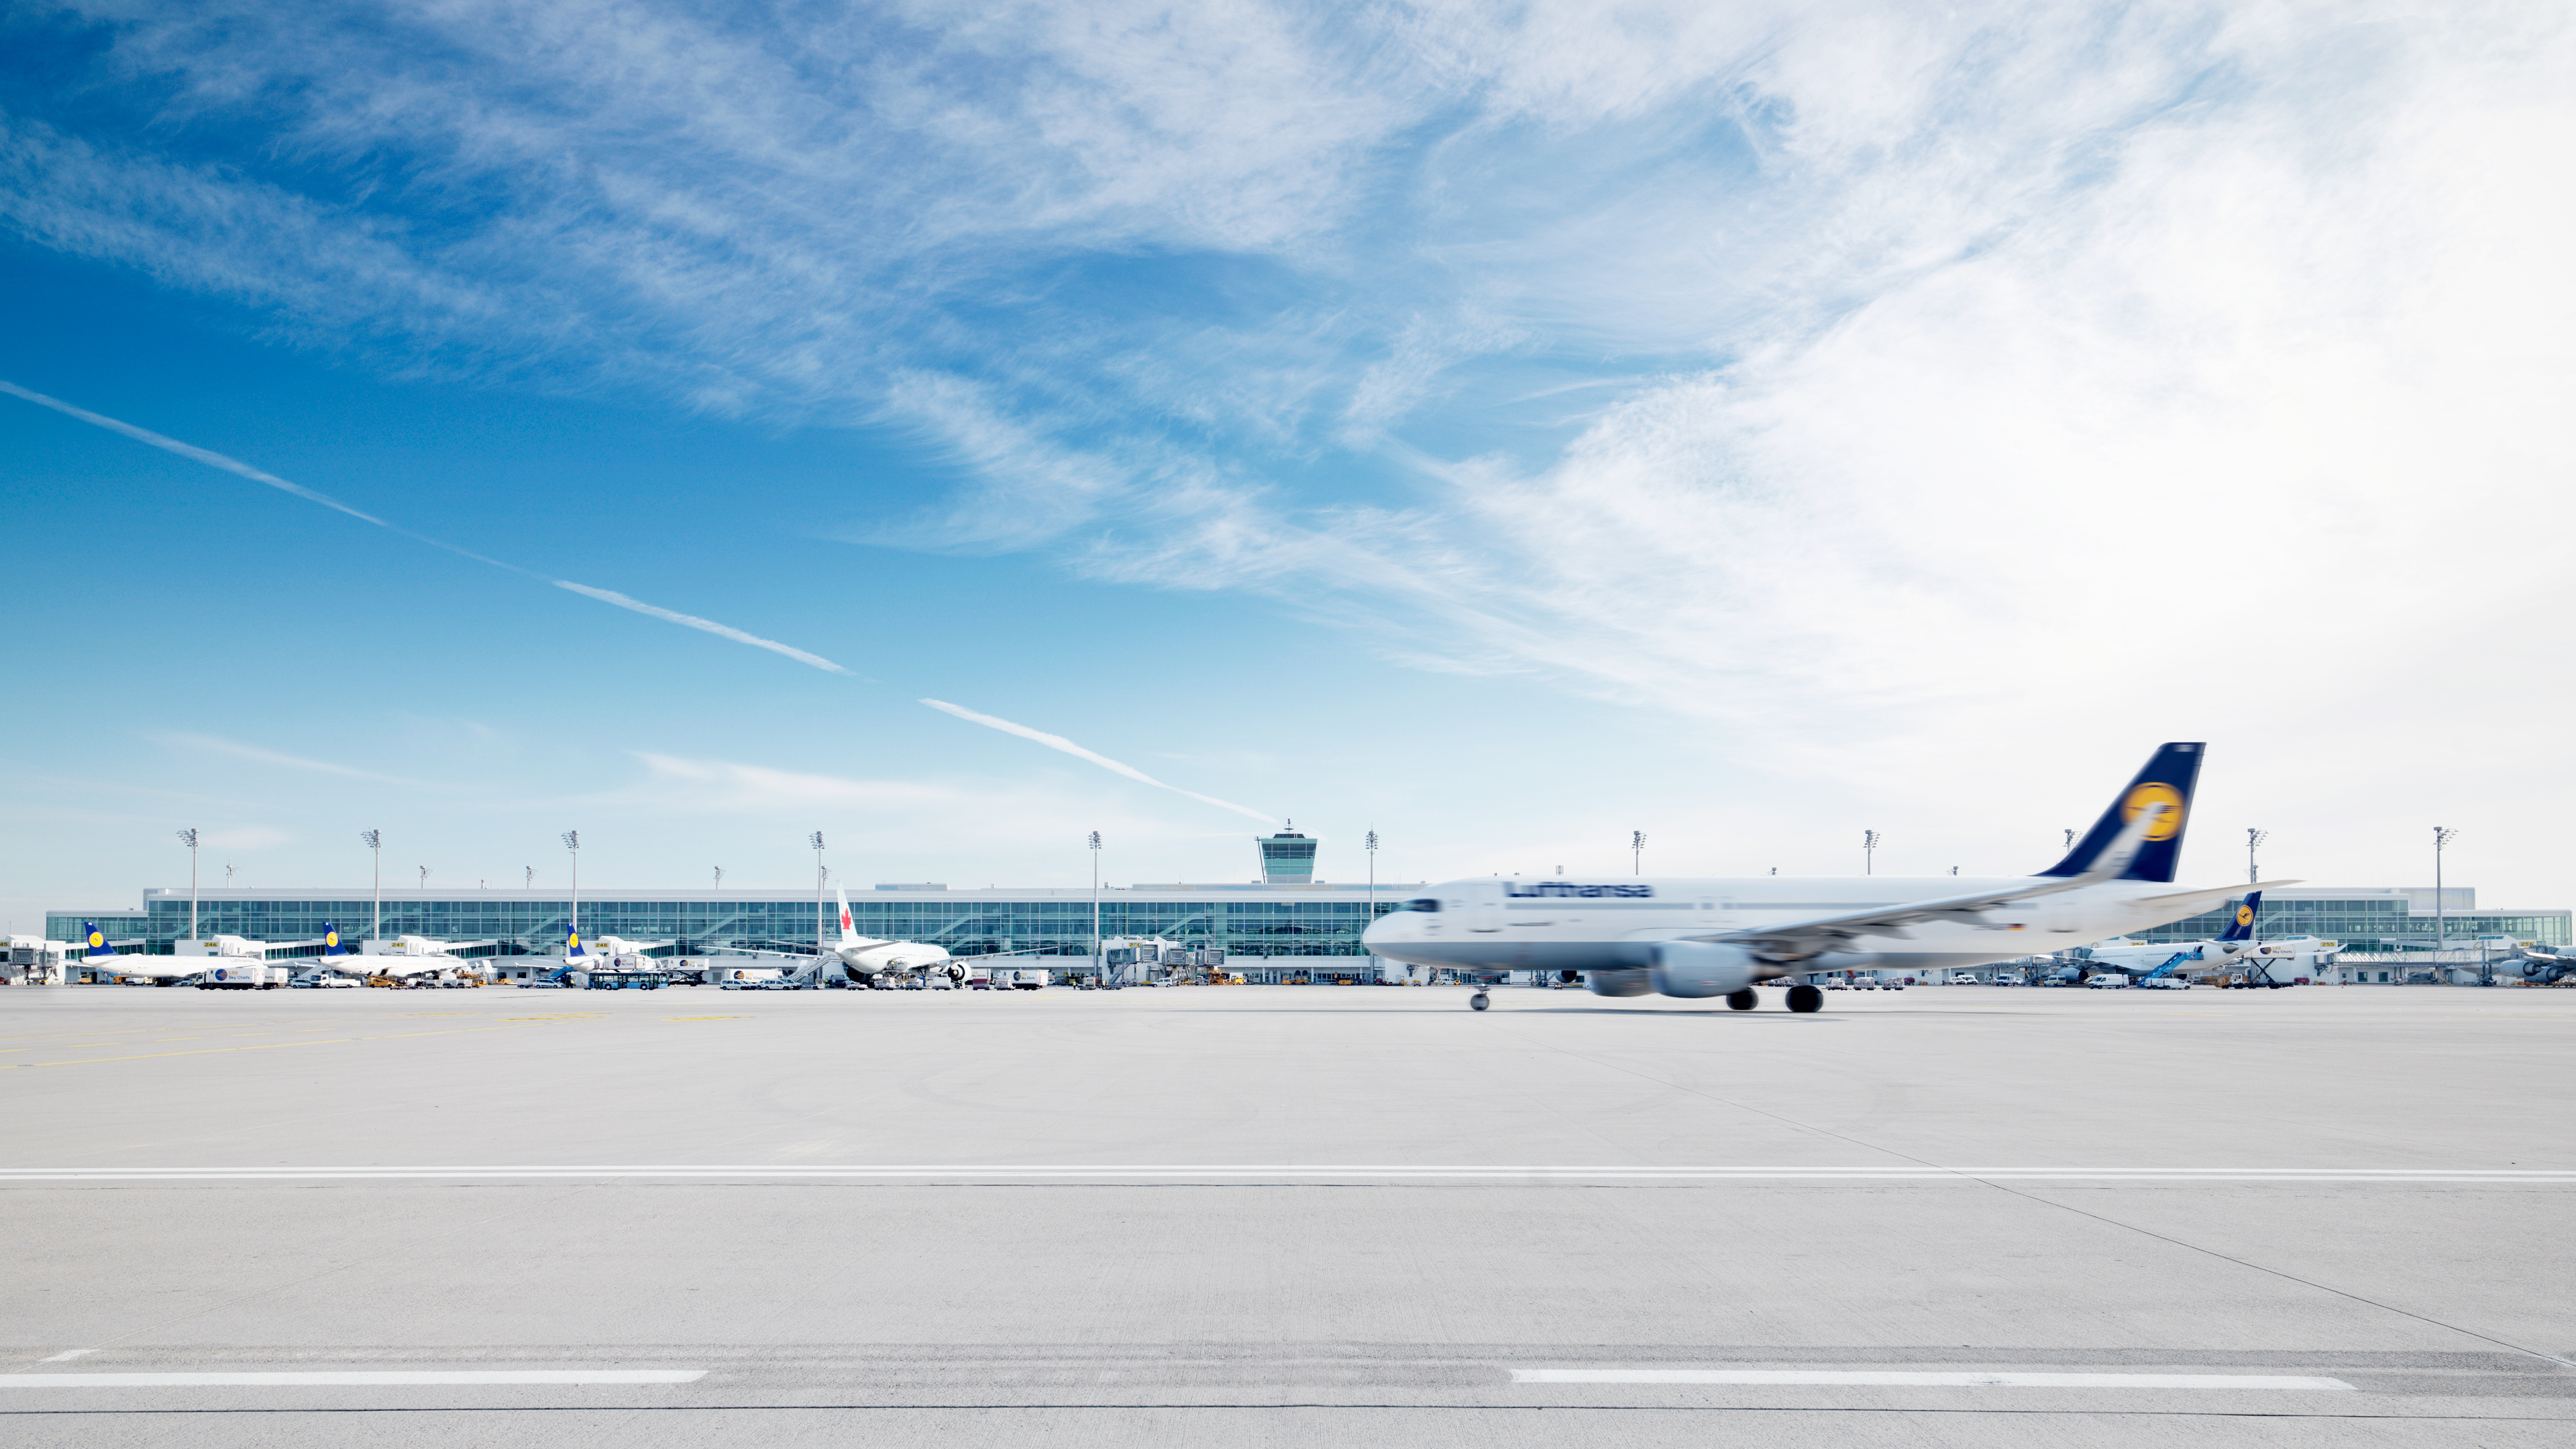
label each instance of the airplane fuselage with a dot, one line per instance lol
(1498, 924)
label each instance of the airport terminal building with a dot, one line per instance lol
(1309, 927)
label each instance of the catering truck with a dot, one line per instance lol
(238, 975)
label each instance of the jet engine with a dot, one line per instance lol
(1699, 968)
(1629, 982)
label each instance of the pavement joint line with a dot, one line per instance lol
(1922, 1379)
(638, 1410)
(2536, 1177)
(346, 1378)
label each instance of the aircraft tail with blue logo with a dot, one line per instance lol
(331, 947)
(2168, 780)
(96, 941)
(2241, 928)
(573, 949)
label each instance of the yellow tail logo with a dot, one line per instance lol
(2169, 824)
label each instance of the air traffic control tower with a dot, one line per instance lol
(1287, 858)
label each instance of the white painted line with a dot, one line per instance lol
(67, 1355)
(1379, 1172)
(1904, 1379)
(341, 1378)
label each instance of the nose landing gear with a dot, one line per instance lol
(1479, 1001)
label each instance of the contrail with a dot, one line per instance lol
(213, 459)
(1059, 742)
(611, 596)
(239, 468)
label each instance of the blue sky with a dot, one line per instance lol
(1501, 427)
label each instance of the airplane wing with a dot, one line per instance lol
(1797, 939)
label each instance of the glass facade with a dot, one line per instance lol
(1245, 922)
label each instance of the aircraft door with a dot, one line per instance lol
(1485, 907)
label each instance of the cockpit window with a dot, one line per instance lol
(1424, 903)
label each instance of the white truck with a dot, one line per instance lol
(1019, 978)
(236, 974)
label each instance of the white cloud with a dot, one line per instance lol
(1877, 388)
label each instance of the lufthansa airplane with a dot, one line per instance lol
(1717, 938)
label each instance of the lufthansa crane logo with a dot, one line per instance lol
(330, 938)
(2169, 824)
(97, 939)
(2244, 915)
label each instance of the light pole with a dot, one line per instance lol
(2442, 836)
(2253, 842)
(816, 840)
(1095, 904)
(572, 842)
(527, 877)
(375, 841)
(1636, 852)
(1369, 917)
(424, 898)
(719, 877)
(1869, 852)
(188, 838)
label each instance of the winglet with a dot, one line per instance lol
(2168, 780)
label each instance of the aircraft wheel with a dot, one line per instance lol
(1806, 998)
(1479, 1001)
(1743, 1000)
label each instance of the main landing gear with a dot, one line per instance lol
(1806, 998)
(1479, 1001)
(1743, 1000)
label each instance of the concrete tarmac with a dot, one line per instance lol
(1283, 1215)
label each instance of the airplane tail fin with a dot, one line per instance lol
(2242, 927)
(97, 940)
(2168, 781)
(848, 936)
(331, 941)
(572, 944)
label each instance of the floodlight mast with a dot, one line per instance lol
(1869, 852)
(816, 840)
(375, 840)
(1097, 961)
(1370, 918)
(1636, 852)
(188, 838)
(2442, 836)
(572, 842)
(2253, 842)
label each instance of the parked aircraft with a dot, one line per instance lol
(2181, 958)
(407, 956)
(1717, 938)
(98, 955)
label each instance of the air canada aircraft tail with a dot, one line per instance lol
(2167, 781)
(2242, 927)
(849, 937)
